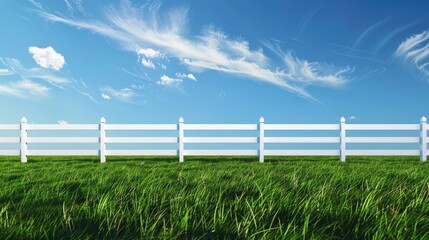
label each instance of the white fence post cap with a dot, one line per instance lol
(261, 120)
(23, 120)
(343, 120)
(102, 120)
(423, 119)
(181, 120)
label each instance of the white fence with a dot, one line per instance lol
(181, 140)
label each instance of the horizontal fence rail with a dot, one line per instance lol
(382, 140)
(220, 140)
(125, 127)
(302, 127)
(141, 140)
(62, 139)
(220, 127)
(302, 140)
(302, 152)
(62, 127)
(11, 127)
(141, 152)
(382, 127)
(63, 152)
(181, 144)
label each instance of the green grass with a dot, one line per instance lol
(212, 198)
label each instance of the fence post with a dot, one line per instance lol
(181, 136)
(102, 128)
(343, 140)
(23, 140)
(423, 139)
(261, 140)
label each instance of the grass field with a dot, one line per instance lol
(211, 198)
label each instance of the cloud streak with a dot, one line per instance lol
(5, 72)
(123, 95)
(20, 81)
(415, 49)
(15, 67)
(369, 30)
(314, 73)
(134, 27)
(23, 89)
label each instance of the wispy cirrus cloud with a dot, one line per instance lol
(310, 73)
(314, 73)
(123, 94)
(15, 67)
(393, 34)
(74, 6)
(141, 28)
(21, 81)
(5, 72)
(24, 88)
(369, 30)
(416, 50)
(307, 18)
(412, 44)
(36, 4)
(27, 82)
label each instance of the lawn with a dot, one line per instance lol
(212, 198)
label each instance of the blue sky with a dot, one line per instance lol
(214, 61)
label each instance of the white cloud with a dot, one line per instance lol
(78, 4)
(69, 6)
(149, 53)
(105, 96)
(416, 49)
(23, 89)
(47, 58)
(139, 87)
(352, 117)
(191, 76)
(34, 80)
(34, 73)
(133, 27)
(62, 122)
(5, 72)
(124, 94)
(145, 56)
(180, 75)
(314, 73)
(36, 4)
(147, 63)
(183, 75)
(163, 67)
(38, 77)
(32, 87)
(411, 43)
(168, 81)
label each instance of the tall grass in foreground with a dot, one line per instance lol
(210, 198)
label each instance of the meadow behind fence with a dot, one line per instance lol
(340, 138)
